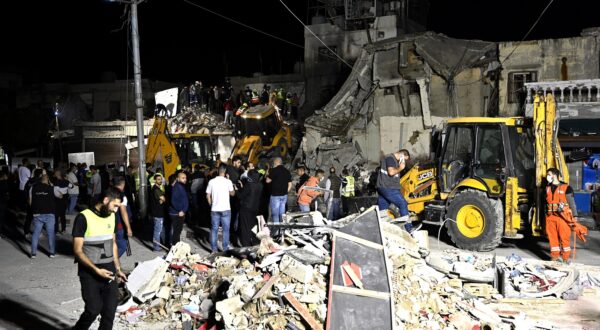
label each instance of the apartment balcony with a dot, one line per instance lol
(578, 107)
(575, 99)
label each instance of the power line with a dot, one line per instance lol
(314, 35)
(242, 24)
(517, 46)
(528, 32)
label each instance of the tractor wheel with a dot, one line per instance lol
(478, 221)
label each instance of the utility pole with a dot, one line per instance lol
(139, 103)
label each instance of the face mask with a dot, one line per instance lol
(549, 178)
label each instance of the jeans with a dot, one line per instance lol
(72, 204)
(40, 221)
(158, 232)
(304, 208)
(334, 212)
(121, 241)
(392, 196)
(277, 205)
(100, 298)
(222, 218)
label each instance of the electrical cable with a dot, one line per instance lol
(517, 46)
(242, 24)
(319, 39)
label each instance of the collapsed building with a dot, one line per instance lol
(398, 90)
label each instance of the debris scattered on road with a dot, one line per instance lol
(285, 284)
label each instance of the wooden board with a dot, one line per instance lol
(371, 307)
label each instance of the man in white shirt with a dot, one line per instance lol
(24, 176)
(96, 183)
(73, 190)
(218, 192)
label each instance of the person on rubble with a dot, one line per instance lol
(184, 97)
(561, 213)
(255, 100)
(193, 95)
(280, 181)
(228, 107)
(95, 250)
(218, 193)
(227, 89)
(264, 95)
(334, 183)
(306, 196)
(247, 95)
(388, 186)
(250, 195)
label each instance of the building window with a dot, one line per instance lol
(327, 56)
(516, 84)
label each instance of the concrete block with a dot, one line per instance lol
(295, 269)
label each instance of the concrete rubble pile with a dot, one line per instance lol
(193, 120)
(254, 288)
(285, 286)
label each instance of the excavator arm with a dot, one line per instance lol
(160, 146)
(548, 152)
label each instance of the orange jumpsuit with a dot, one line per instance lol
(558, 221)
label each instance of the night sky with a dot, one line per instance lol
(76, 40)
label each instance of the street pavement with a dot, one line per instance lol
(44, 293)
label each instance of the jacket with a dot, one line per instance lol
(305, 196)
(179, 199)
(250, 195)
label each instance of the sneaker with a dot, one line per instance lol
(416, 227)
(33, 256)
(53, 256)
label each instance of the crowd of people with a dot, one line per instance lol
(229, 197)
(223, 100)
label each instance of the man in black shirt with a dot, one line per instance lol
(280, 180)
(95, 249)
(303, 177)
(41, 199)
(157, 211)
(234, 171)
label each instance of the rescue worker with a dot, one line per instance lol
(347, 190)
(255, 100)
(560, 216)
(95, 249)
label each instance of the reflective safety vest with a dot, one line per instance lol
(556, 203)
(348, 190)
(98, 237)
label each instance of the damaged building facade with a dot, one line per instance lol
(401, 88)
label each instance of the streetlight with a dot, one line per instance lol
(139, 103)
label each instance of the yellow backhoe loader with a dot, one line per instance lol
(261, 133)
(171, 150)
(487, 181)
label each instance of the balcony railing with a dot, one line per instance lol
(567, 91)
